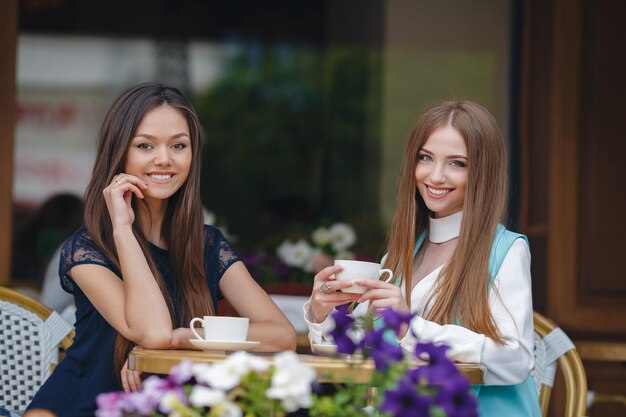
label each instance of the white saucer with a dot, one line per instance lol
(324, 348)
(223, 345)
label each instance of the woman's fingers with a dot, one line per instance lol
(374, 284)
(389, 296)
(124, 186)
(122, 179)
(330, 287)
(131, 380)
(136, 378)
(328, 273)
(342, 298)
(124, 378)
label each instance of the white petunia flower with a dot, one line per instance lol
(227, 409)
(220, 376)
(342, 236)
(205, 397)
(169, 402)
(310, 265)
(284, 251)
(345, 254)
(246, 362)
(295, 254)
(209, 217)
(321, 236)
(291, 382)
(227, 374)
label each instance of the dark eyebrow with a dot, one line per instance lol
(449, 156)
(147, 136)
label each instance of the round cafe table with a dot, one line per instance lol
(329, 369)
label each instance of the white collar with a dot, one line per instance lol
(445, 228)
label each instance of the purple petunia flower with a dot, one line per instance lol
(395, 319)
(455, 398)
(405, 401)
(440, 367)
(436, 353)
(109, 404)
(139, 403)
(382, 352)
(340, 334)
(181, 373)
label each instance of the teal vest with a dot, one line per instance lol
(519, 400)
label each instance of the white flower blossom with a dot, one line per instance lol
(247, 362)
(321, 236)
(227, 409)
(295, 254)
(342, 236)
(291, 382)
(310, 265)
(220, 376)
(209, 217)
(345, 254)
(169, 402)
(205, 397)
(227, 374)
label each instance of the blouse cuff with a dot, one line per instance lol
(317, 331)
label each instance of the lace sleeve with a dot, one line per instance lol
(222, 253)
(79, 249)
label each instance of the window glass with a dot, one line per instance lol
(298, 133)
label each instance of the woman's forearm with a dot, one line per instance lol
(274, 337)
(145, 309)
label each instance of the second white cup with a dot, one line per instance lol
(360, 270)
(222, 328)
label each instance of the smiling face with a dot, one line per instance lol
(160, 152)
(441, 171)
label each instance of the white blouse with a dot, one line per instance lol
(510, 300)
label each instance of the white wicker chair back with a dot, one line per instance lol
(29, 347)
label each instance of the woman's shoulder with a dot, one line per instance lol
(505, 240)
(212, 234)
(217, 247)
(81, 248)
(80, 238)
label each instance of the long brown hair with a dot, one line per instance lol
(182, 226)
(461, 292)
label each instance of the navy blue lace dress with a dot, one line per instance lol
(87, 368)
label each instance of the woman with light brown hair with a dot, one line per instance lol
(465, 276)
(145, 264)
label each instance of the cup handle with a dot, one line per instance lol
(193, 329)
(386, 271)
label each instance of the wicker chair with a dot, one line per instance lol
(31, 335)
(552, 348)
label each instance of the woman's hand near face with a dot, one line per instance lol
(118, 196)
(322, 302)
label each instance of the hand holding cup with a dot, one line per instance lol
(359, 270)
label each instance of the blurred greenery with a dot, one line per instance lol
(292, 137)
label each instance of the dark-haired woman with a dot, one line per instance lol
(144, 264)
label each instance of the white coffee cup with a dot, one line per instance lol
(353, 270)
(222, 328)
